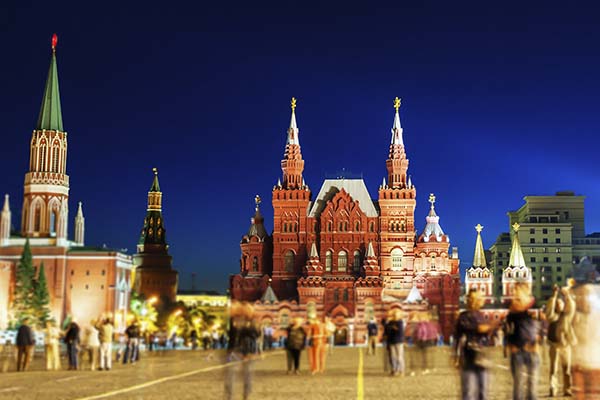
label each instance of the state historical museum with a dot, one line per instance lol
(344, 254)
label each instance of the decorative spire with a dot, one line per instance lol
(155, 186)
(433, 223)
(293, 129)
(5, 222)
(313, 251)
(257, 227)
(79, 226)
(370, 251)
(516, 254)
(153, 232)
(409, 182)
(397, 128)
(50, 117)
(479, 257)
(383, 184)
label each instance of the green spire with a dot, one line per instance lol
(50, 114)
(155, 186)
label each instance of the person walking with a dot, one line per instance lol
(133, 342)
(522, 336)
(93, 345)
(394, 336)
(106, 339)
(52, 337)
(72, 341)
(422, 340)
(242, 347)
(25, 344)
(561, 337)
(296, 338)
(372, 332)
(330, 330)
(194, 338)
(317, 338)
(471, 332)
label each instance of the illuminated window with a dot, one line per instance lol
(396, 260)
(37, 218)
(342, 260)
(289, 261)
(328, 260)
(356, 261)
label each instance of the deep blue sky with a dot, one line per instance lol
(498, 102)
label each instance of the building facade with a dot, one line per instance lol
(552, 236)
(83, 282)
(344, 254)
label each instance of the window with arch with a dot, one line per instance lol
(285, 227)
(342, 260)
(346, 295)
(289, 261)
(396, 259)
(53, 222)
(55, 150)
(328, 260)
(433, 262)
(37, 218)
(357, 226)
(356, 261)
(255, 264)
(371, 227)
(329, 226)
(43, 157)
(336, 295)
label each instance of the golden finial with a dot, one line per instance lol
(516, 227)
(397, 103)
(479, 228)
(293, 104)
(432, 199)
(155, 170)
(257, 200)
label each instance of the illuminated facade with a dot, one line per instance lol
(84, 282)
(343, 254)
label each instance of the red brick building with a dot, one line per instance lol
(84, 282)
(344, 254)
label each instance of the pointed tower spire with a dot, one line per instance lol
(370, 264)
(397, 128)
(433, 223)
(313, 266)
(516, 254)
(153, 231)
(479, 256)
(257, 227)
(5, 222)
(313, 251)
(79, 226)
(397, 163)
(50, 117)
(292, 164)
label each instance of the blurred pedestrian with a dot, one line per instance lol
(296, 338)
(106, 339)
(268, 337)
(133, 342)
(317, 338)
(394, 334)
(194, 339)
(72, 341)
(52, 337)
(471, 332)
(25, 344)
(561, 337)
(242, 347)
(330, 329)
(522, 336)
(372, 333)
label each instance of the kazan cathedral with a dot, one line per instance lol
(345, 255)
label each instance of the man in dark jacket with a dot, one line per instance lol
(133, 343)
(394, 337)
(372, 331)
(25, 344)
(72, 341)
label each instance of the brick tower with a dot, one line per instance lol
(397, 201)
(154, 275)
(46, 191)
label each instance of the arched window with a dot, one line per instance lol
(255, 264)
(328, 260)
(53, 222)
(433, 262)
(345, 294)
(372, 227)
(37, 218)
(329, 226)
(43, 157)
(55, 150)
(285, 227)
(341, 226)
(356, 261)
(396, 260)
(336, 295)
(357, 226)
(342, 260)
(289, 261)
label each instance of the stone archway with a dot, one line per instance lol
(341, 336)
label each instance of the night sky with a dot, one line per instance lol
(498, 103)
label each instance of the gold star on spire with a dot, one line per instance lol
(479, 228)
(432, 199)
(155, 170)
(516, 227)
(293, 104)
(257, 200)
(397, 103)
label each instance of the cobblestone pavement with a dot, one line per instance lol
(181, 375)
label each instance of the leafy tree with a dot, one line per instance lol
(24, 284)
(41, 298)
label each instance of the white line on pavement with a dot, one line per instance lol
(70, 378)
(10, 389)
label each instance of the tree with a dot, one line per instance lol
(41, 298)
(24, 284)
